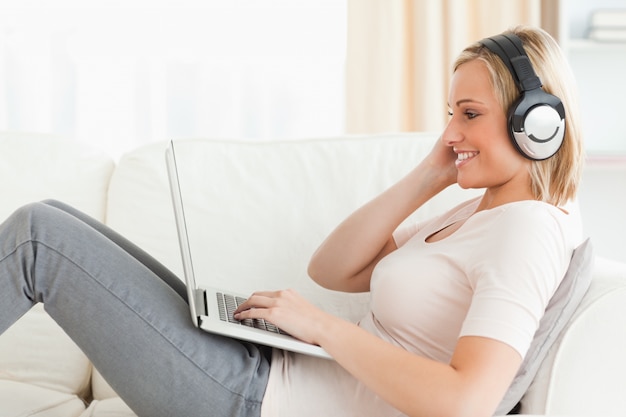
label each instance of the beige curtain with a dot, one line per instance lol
(400, 54)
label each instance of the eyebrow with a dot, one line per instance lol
(467, 100)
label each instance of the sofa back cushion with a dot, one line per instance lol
(256, 211)
(35, 167)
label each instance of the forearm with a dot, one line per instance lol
(414, 385)
(356, 244)
(472, 384)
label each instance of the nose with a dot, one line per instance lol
(452, 135)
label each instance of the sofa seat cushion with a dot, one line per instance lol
(37, 352)
(100, 388)
(23, 399)
(111, 407)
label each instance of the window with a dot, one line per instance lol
(123, 73)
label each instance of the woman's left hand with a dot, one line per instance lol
(287, 310)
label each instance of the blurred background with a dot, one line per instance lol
(122, 73)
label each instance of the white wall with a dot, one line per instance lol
(598, 68)
(602, 200)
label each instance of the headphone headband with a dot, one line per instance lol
(511, 51)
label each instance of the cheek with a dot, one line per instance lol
(502, 144)
(511, 163)
(502, 159)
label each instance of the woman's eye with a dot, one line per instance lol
(449, 113)
(470, 114)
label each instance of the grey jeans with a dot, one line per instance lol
(127, 313)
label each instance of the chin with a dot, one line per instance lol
(464, 184)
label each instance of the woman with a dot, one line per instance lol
(454, 305)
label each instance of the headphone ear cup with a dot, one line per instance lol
(537, 124)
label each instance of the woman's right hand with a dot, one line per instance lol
(442, 159)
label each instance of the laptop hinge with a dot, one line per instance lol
(201, 302)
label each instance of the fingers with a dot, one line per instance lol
(261, 300)
(285, 309)
(256, 300)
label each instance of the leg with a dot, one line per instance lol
(128, 321)
(134, 250)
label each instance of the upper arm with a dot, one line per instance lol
(359, 282)
(486, 368)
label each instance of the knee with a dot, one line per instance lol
(32, 213)
(31, 224)
(52, 202)
(45, 208)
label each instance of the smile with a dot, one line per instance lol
(463, 156)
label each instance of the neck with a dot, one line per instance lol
(494, 197)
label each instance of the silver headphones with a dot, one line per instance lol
(536, 120)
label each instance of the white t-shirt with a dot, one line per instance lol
(493, 277)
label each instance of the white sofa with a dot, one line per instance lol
(271, 203)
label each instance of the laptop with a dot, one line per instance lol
(212, 308)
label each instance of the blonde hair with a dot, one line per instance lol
(554, 180)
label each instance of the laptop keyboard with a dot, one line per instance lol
(227, 304)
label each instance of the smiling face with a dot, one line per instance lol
(477, 132)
